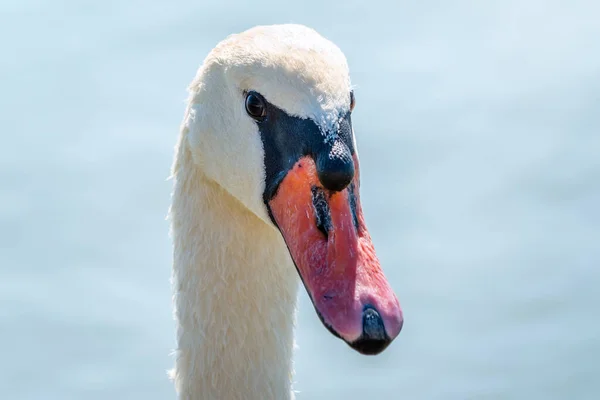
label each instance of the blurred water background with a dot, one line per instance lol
(478, 126)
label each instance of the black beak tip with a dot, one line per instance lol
(374, 338)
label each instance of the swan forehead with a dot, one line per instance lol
(293, 66)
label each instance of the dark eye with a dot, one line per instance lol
(255, 106)
(352, 101)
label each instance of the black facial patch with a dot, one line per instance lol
(288, 138)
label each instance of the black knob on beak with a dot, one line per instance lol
(335, 168)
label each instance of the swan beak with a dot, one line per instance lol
(328, 241)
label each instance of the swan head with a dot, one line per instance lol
(269, 120)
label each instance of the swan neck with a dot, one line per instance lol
(234, 289)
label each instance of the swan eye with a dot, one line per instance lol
(255, 106)
(352, 101)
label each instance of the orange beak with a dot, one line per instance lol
(328, 241)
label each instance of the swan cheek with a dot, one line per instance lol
(331, 247)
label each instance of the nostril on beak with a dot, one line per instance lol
(374, 338)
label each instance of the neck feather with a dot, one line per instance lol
(234, 291)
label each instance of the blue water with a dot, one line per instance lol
(478, 126)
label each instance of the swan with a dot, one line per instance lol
(266, 190)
